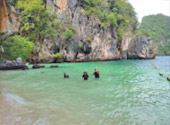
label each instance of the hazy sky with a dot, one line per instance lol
(148, 7)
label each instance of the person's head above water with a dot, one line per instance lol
(85, 76)
(66, 75)
(85, 73)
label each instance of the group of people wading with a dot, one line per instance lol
(85, 75)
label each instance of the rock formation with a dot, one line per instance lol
(141, 48)
(97, 43)
(90, 43)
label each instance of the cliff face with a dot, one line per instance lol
(141, 48)
(3, 15)
(91, 41)
(9, 22)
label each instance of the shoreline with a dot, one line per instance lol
(82, 61)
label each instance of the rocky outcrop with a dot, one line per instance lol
(13, 65)
(141, 48)
(43, 53)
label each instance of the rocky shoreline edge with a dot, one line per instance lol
(18, 64)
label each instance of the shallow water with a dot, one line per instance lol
(129, 92)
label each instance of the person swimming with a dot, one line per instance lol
(66, 75)
(85, 76)
(96, 73)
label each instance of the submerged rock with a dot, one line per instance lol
(36, 66)
(54, 66)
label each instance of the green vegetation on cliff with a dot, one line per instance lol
(118, 14)
(159, 28)
(36, 22)
(17, 46)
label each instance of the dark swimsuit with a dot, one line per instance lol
(66, 76)
(85, 77)
(96, 74)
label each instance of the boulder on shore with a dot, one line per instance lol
(13, 65)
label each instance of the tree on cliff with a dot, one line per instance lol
(36, 22)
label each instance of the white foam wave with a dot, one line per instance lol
(40, 121)
(14, 99)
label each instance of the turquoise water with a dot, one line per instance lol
(129, 92)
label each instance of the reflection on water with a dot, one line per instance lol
(128, 93)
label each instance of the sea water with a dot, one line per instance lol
(129, 92)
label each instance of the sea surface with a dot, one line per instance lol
(129, 92)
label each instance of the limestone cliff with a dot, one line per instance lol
(91, 41)
(141, 48)
(96, 42)
(9, 22)
(103, 44)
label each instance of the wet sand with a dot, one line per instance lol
(4, 108)
(7, 116)
(1, 88)
(11, 114)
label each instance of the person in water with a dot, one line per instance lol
(96, 73)
(85, 76)
(66, 75)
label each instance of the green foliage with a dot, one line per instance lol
(164, 49)
(118, 14)
(18, 46)
(68, 34)
(80, 45)
(142, 33)
(89, 39)
(159, 28)
(57, 55)
(1, 59)
(36, 22)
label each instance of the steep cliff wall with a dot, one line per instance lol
(3, 16)
(9, 22)
(91, 42)
(62, 4)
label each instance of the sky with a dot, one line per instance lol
(148, 7)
